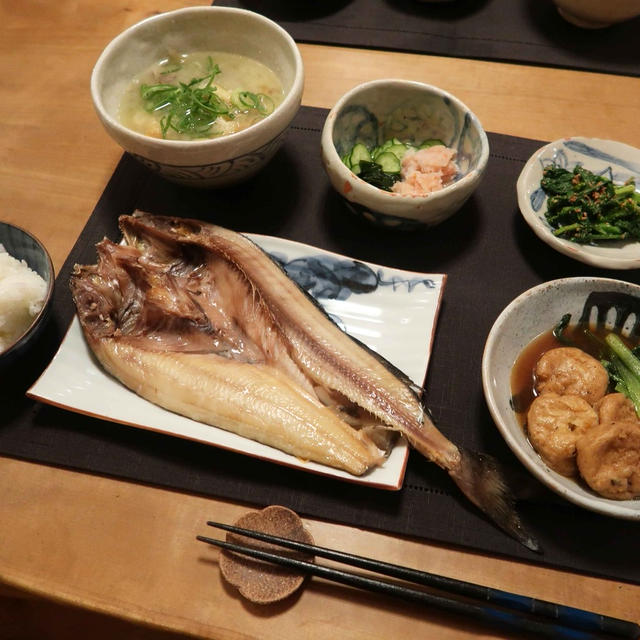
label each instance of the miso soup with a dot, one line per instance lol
(200, 95)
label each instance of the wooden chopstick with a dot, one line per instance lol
(549, 619)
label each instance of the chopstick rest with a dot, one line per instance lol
(495, 607)
(259, 582)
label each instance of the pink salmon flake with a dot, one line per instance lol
(426, 171)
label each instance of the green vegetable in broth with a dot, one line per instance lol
(621, 362)
(192, 108)
(200, 95)
(247, 100)
(624, 369)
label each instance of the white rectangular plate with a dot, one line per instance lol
(392, 311)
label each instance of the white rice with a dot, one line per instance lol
(22, 293)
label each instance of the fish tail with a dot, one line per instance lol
(481, 479)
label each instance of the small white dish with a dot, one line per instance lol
(532, 313)
(616, 160)
(392, 311)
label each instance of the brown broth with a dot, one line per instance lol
(522, 377)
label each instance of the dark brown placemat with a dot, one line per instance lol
(525, 31)
(489, 256)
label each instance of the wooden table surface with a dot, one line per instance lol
(82, 555)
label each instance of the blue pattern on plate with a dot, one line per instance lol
(202, 175)
(334, 278)
(355, 124)
(537, 199)
(560, 158)
(592, 152)
(468, 147)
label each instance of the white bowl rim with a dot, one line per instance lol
(289, 100)
(578, 252)
(47, 296)
(536, 465)
(327, 139)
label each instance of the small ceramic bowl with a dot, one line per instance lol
(213, 162)
(615, 160)
(412, 112)
(23, 246)
(531, 314)
(596, 14)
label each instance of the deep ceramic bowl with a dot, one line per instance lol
(413, 112)
(532, 313)
(615, 160)
(596, 14)
(215, 162)
(23, 246)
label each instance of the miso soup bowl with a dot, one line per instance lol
(212, 162)
(531, 314)
(376, 111)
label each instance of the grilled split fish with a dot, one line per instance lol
(198, 319)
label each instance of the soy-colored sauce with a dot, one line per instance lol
(522, 374)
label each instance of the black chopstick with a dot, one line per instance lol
(554, 616)
(503, 619)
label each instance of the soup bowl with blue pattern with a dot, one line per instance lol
(413, 114)
(218, 160)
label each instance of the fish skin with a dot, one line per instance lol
(331, 358)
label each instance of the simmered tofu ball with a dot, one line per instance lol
(567, 370)
(615, 407)
(554, 424)
(609, 459)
